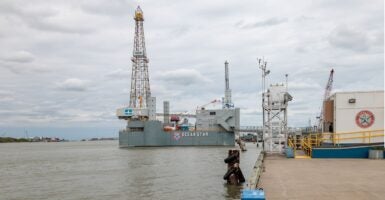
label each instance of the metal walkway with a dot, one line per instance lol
(303, 146)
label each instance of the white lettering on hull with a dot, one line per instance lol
(195, 134)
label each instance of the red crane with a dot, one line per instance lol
(329, 85)
(211, 102)
(328, 89)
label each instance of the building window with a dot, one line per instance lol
(212, 113)
(136, 129)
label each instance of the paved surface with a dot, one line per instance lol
(323, 179)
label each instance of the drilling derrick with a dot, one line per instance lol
(142, 106)
(140, 85)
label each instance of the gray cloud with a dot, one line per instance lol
(6, 96)
(296, 85)
(268, 22)
(65, 19)
(119, 74)
(349, 38)
(74, 84)
(108, 8)
(20, 56)
(56, 26)
(23, 68)
(183, 77)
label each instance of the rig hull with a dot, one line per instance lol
(151, 133)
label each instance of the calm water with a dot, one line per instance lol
(100, 170)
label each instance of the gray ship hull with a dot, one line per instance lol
(151, 133)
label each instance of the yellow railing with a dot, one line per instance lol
(363, 136)
(316, 139)
(291, 143)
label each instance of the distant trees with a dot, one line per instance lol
(10, 139)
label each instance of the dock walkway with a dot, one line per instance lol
(323, 178)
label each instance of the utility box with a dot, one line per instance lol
(257, 194)
(289, 151)
(360, 112)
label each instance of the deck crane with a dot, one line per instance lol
(211, 102)
(328, 89)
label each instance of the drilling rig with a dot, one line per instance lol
(216, 127)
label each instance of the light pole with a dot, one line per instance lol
(285, 116)
(262, 65)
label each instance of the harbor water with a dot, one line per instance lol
(100, 170)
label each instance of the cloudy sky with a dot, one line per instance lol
(65, 65)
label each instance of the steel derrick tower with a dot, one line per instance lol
(140, 85)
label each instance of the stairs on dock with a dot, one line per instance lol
(301, 155)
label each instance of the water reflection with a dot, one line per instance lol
(233, 191)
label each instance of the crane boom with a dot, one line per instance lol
(328, 89)
(329, 85)
(211, 102)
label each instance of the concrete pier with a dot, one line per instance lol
(323, 178)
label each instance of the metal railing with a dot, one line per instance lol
(307, 143)
(359, 136)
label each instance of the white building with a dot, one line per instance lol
(355, 117)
